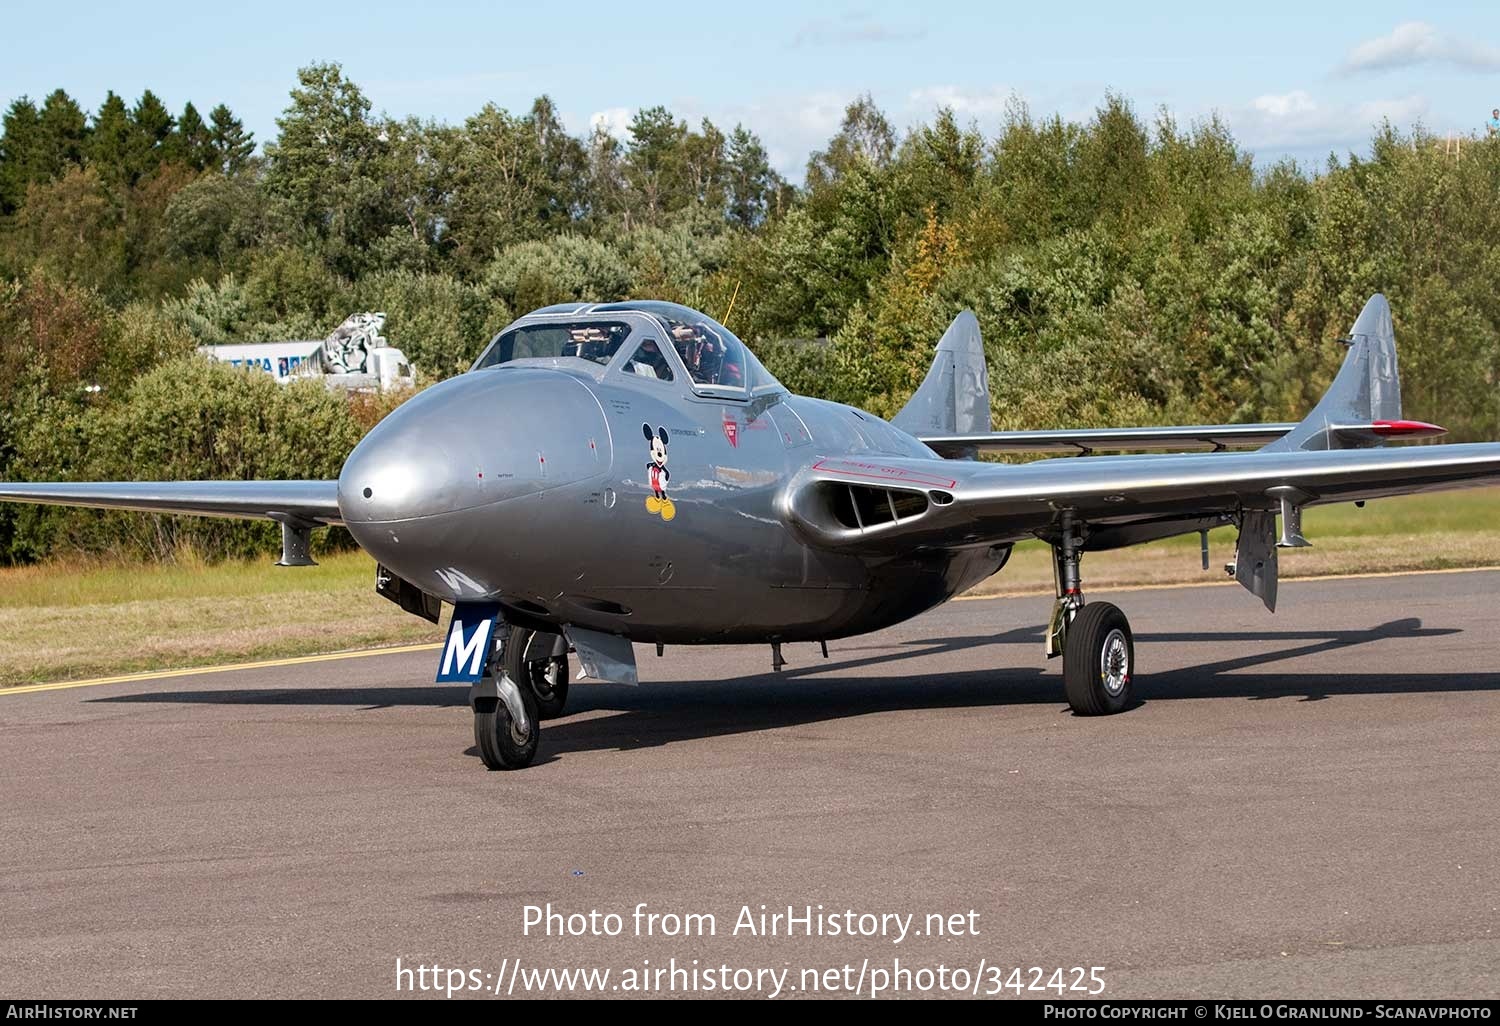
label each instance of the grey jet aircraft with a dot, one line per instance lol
(629, 472)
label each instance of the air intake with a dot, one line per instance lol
(861, 507)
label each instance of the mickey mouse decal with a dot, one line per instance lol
(657, 502)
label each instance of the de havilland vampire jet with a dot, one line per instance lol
(629, 472)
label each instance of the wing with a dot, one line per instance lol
(1335, 454)
(298, 506)
(895, 505)
(314, 502)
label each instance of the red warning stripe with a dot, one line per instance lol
(1406, 428)
(880, 472)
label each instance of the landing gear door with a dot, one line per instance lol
(789, 426)
(1255, 556)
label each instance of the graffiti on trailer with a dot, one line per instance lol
(347, 350)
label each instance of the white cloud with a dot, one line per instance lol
(614, 120)
(790, 125)
(980, 103)
(854, 28)
(1295, 104)
(1296, 120)
(1418, 42)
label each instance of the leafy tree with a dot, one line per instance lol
(864, 137)
(705, 168)
(328, 163)
(417, 173)
(653, 168)
(191, 144)
(63, 131)
(193, 418)
(152, 128)
(755, 190)
(562, 198)
(20, 153)
(216, 222)
(512, 178)
(604, 177)
(74, 228)
(230, 146)
(110, 142)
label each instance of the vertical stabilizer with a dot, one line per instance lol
(1367, 389)
(955, 395)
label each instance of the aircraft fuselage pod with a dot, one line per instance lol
(634, 498)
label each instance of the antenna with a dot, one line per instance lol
(725, 319)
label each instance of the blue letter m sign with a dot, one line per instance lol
(467, 650)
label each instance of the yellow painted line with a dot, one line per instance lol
(131, 678)
(1225, 582)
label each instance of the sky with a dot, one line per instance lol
(1299, 80)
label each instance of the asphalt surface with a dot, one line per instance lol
(1301, 805)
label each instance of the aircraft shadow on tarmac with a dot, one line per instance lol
(664, 712)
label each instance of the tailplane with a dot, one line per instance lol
(955, 396)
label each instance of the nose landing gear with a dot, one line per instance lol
(506, 727)
(538, 661)
(1095, 640)
(525, 682)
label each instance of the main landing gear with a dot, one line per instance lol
(525, 682)
(1094, 640)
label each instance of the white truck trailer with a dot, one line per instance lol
(356, 356)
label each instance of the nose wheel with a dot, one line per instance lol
(507, 729)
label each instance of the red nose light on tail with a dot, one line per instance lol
(1406, 429)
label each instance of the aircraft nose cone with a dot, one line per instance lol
(471, 441)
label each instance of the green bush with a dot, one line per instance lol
(440, 323)
(194, 419)
(567, 268)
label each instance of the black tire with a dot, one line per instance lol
(498, 745)
(546, 679)
(1099, 661)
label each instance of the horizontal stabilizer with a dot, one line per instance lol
(1083, 441)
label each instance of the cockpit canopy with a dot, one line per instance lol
(649, 339)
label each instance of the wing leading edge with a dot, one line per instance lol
(314, 502)
(298, 506)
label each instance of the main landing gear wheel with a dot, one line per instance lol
(1099, 660)
(546, 678)
(503, 743)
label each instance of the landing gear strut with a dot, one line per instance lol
(539, 663)
(1094, 640)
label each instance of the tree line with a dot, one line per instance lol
(1124, 269)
